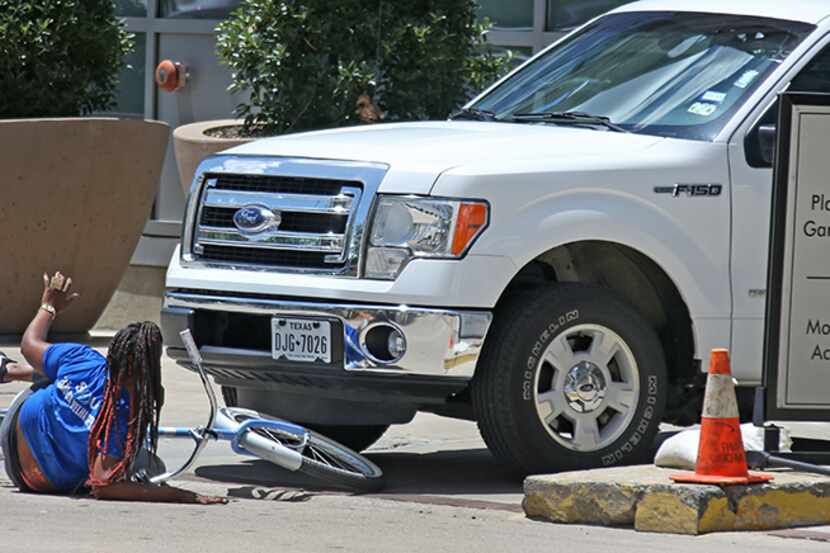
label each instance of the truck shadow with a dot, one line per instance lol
(467, 471)
(463, 472)
(447, 472)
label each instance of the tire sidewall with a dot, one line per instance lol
(634, 444)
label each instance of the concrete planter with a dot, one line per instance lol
(76, 194)
(192, 145)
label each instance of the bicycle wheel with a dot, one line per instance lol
(322, 458)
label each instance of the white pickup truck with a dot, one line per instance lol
(554, 262)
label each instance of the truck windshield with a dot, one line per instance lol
(670, 74)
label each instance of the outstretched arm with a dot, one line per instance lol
(141, 491)
(18, 372)
(56, 297)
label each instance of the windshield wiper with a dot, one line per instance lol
(575, 117)
(474, 113)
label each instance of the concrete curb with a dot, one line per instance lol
(645, 498)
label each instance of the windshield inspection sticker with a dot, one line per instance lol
(703, 109)
(746, 79)
(712, 96)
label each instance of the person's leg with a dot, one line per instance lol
(8, 440)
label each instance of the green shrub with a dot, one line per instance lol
(305, 62)
(59, 58)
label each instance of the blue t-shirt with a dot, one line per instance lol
(56, 420)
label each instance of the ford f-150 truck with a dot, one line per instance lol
(553, 262)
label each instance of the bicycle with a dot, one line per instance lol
(285, 444)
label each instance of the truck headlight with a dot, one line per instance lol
(407, 227)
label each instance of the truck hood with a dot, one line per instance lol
(417, 153)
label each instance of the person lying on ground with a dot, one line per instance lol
(88, 422)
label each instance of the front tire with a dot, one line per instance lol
(570, 378)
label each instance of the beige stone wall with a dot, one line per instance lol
(74, 197)
(138, 298)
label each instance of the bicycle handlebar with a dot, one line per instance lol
(191, 347)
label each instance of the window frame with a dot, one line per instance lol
(537, 39)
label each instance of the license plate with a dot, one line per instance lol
(304, 340)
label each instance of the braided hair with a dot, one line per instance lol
(134, 361)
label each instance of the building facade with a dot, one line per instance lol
(184, 31)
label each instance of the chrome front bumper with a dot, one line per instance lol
(440, 342)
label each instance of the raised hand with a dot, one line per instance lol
(56, 292)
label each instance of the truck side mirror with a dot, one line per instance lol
(760, 146)
(767, 137)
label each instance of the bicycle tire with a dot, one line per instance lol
(323, 459)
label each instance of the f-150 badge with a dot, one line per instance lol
(691, 190)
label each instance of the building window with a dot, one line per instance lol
(514, 15)
(567, 14)
(130, 97)
(198, 9)
(131, 8)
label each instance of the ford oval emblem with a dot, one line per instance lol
(253, 219)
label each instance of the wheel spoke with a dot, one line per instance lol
(551, 404)
(586, 432)
(621, 396)
(560, 354)
(603, 348)
(324, 457)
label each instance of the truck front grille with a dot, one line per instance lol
(307, 227)
(295, 222)
(276, 258)
(278, 184)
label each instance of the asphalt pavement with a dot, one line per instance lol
(444, 493)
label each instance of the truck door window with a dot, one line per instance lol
(815, 77)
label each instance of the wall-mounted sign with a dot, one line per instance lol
(797, 356)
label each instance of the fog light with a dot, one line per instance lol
(383, 343)
(396, 344)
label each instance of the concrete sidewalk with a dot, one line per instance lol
(445, 493)
(315, 523)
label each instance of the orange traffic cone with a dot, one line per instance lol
(721, 458)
